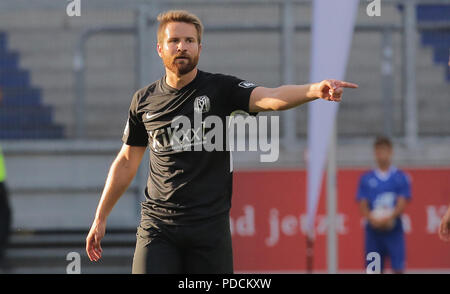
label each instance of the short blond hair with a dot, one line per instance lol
(178, 16)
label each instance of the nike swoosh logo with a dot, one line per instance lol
(150, 116)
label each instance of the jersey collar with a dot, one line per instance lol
(166, 87)
(384, 176)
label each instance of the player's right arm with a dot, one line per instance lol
(290, 96)
(365, 211)
(121, 173)
(361, 197)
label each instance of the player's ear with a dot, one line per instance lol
(159, 49)
(199, 48)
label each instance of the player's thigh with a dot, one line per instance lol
(211, 251)
(397, 251)
(155, 254)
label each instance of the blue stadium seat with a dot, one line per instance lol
(14, 78)
(9, 60)
(2, 43)
(41, 132)
(438, 40)
(433, 12)
(22, 114)
(21, 97)
(441, 55)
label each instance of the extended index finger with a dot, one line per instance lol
(347, 85)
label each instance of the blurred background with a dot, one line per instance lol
(67, 82)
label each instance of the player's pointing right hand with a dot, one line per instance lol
(333, 89)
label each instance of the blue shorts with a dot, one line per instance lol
(387, 244)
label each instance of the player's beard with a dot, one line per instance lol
(180, 67)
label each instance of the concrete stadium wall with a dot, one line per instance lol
(58, 183)
(46, 39)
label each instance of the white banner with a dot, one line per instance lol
(332, 31)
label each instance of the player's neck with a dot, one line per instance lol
(179, 82)
(384, 168)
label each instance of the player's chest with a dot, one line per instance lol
(383, 189)
(165, 110)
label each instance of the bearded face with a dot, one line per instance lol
(179, 49)
(180, 64)
(383, 156)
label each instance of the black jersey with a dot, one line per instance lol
(184, 185)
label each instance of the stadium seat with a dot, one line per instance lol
(2, 42)
(438, 40)
(44, 132)
(21, 97)
(22, 114)
(14, 78)
(433, 12)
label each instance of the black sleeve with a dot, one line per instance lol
(135, 133)
(239, 92)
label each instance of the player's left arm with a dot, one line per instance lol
(403, 195)
(398, 210)
(399, 207)
(289, 96)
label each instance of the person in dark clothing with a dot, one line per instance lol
(185, 218)
(5, 210)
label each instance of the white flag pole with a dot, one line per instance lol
(332, 242)
(327, 62)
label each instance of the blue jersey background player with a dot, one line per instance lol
(383, 194)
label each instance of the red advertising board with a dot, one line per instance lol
(268, 220)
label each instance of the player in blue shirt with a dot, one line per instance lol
(383, 194)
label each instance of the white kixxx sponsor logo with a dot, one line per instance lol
(208, 135)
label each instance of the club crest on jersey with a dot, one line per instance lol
(246, 84)
(201, 104)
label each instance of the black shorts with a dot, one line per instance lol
(203, 248)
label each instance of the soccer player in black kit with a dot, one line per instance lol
(185, 225)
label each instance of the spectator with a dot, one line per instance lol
(5, 211)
